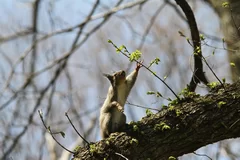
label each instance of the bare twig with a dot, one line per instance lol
(34, 37)
(49, 130)
(15, 35)
(233, 20)
(142, 106)
(152, 20)
(121, 155)
(76, 129)
(203, 155)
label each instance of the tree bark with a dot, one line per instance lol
(174, 131)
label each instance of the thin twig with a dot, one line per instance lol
(205, 61)
(121, 155)
(49, 130)
(76, 129)
(142, 106)
(234, 23)
(152, 20)
(203, 155)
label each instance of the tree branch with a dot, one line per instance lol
(180, 130)
(198, 74)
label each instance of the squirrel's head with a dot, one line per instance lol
(118, 77)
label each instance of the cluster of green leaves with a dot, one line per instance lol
(188, 94)
(136, 55)
(162, 126)
(177, 111)
(172, 102)
(135, 128)
(133, 140)
(155, 61)
(94, 148)
(197, 51)
(171, 108)
(225, 4)
(212, 85)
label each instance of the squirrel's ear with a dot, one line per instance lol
(109, 77)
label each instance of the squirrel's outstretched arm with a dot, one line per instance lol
(131, 78)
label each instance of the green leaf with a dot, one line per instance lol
(181, 34)
(109, 41)
(232, 64)
(157, 60)
(171, 158)
(213, 52)
(148, 112)
(178, 112)
(213, 84)
(221, 103)
(198, 49)
(162, 126)
(223, 40)
(150, 92)
(135, 128)
(164, 78)
(62, 134)
(158, 94)
(171, 108)
(165, 127)
(133, 140)
(154, 73)
(202, 37)
(224, 80)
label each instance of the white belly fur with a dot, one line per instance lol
(122, 94)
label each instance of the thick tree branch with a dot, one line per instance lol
(198, 74)
(194, 123)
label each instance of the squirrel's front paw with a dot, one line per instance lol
(139, 65)
(119, 107)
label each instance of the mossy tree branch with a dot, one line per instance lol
(194, 123)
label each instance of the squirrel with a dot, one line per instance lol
(112, 118)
